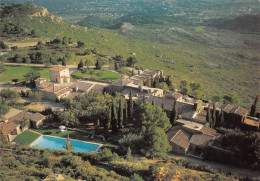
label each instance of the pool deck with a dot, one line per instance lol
(99, 145)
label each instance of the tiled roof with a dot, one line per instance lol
(201, 117)
(200, 139)
(23, 116)
(181, 138)
(227, 108)
(40, 79)
(209, 131)
(98, 87)
(8, 127)
(63, 91)
(177, 95)
(239, 111)
(58, 68)
(45, 85)
(84, 86)
(72, 95)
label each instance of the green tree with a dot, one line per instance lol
(83, 71)
(120, 113)
(98, 64)
(136, 177)
(4, 108)
(174, 113)
(253, 107)
(109, 119)
(68, 118)
(208, 116)
(231, 98)
(31, 76)
(217, 98)
(114, 118)
(214, 116)
(131, 61)
(131, 105)
(68, 146)
(9, 95)
(153, 116)
(156, 143)
(80, 44)
(129, 156)
(64, 62)
(126, 112)
(184, 86)
(3, 137)
(80, 65)
(35, 96)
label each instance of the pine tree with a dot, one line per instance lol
(129, 156)
(174, 113)
(114, 118)
(120, 114)
(131, 105)
(253, 107)
(214, 117)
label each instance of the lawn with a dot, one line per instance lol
(26, 138)
(17, 72)
(105, 75)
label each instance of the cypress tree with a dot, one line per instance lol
(109, 119)
(120, 114)
(153, 103)
(152, 81)
(253, 107)
(126, 112)
(114, 118)
(68, 146)
(209, 118)
(162, 107)
(214, 117)
(144, 99)
(64, 62)
(221, 118)
(174, 113)
(131, 105)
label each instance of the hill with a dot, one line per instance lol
(242, 24)
(219, 59)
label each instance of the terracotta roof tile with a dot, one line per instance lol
(58, 68)
(200, 139)
(177, 95)
(181, 138)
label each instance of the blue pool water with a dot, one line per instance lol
(55, 143)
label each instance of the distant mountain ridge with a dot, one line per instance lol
(242, 24)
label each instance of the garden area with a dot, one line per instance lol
(17, 72)
(26, 138)
(104, 75)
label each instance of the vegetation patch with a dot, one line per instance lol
(26, 138)
(105, 75)
(18, 72)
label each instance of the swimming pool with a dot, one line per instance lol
(56, 143)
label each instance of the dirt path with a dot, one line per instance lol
(219, 166)
(22, 45)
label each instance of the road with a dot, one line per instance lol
(219, 166)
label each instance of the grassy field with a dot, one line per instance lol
(26, 138)
(97, 74)
(17, 72)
